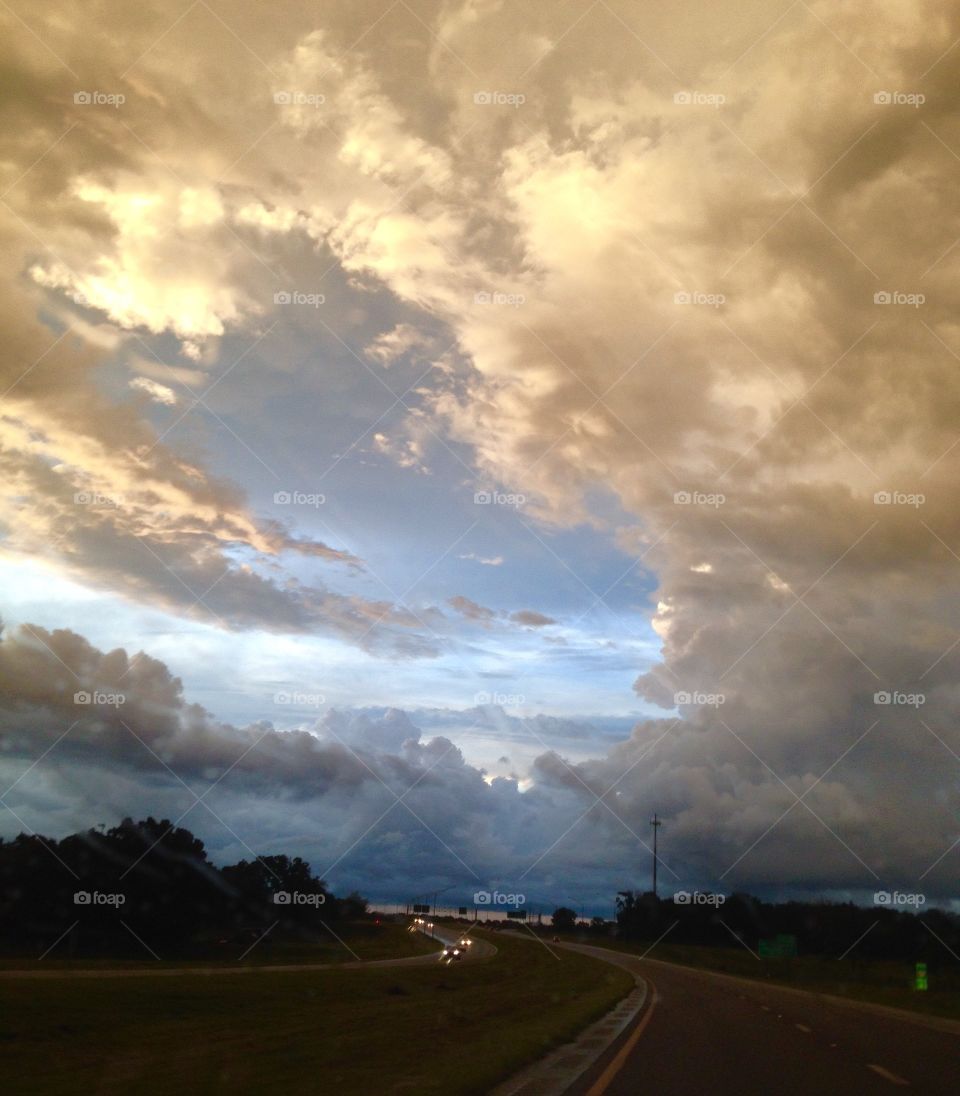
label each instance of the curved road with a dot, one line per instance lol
(710, 1033)
(480, 950)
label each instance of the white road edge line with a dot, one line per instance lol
(888, 1076)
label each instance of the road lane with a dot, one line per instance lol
(709, 1033)
(444, 935)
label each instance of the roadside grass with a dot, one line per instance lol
(435, 1030)
(355, 940)
(880, 982)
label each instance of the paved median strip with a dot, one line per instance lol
(554, 1073)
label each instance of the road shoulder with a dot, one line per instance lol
(557, 1071)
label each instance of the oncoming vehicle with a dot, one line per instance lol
(451, 954)
(466, 942)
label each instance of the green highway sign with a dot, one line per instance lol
(783, 946)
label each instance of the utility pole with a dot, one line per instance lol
(656, 824)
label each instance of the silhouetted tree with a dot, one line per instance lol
(564, 919)
(150, 884)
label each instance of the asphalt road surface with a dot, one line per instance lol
(478, 949)
(705, 1033)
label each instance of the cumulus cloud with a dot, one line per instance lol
(692, 286)
(405, 452)
(121, 229)
(393, 344)
(159, 393)
(715, 337)
(162, 268)
(100, 733)
(86, 736)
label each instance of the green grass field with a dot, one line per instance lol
(430, 1030)
(357, 940)
(884, 983)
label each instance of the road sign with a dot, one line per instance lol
(463, 911)
(517, 915)
(920, 982)
(421, 908)
(783, 946)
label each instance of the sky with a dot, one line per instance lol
(436, 436)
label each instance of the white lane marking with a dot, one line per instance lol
(888, 1076)
(766, 1008)
(803, 1027)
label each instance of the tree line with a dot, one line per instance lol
(824, 929)
(150, 885)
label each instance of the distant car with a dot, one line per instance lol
(556, 939)
(466, 942)
(451, 955)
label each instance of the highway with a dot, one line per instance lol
(477, 949)
(709, 1033)
(480, 949)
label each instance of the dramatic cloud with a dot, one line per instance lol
(362, 794)
(96, 733)
(686, 289)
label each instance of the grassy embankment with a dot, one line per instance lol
(431, 1029)
(354, 941)
(883, 983)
